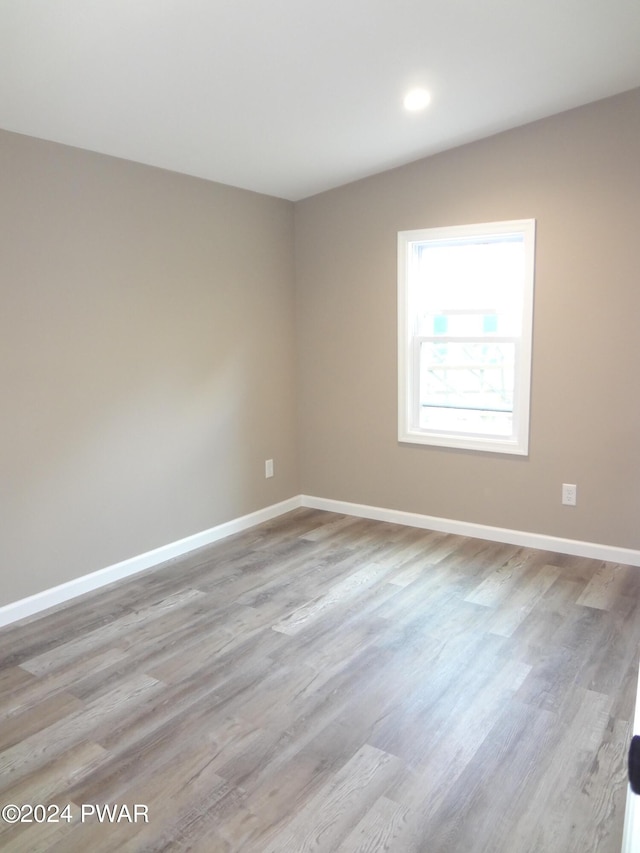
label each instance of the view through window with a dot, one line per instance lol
(465, 310)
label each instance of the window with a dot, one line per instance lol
(465, 310)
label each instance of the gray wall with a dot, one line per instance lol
(146, 359)
(578, 175)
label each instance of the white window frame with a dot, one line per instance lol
(408, 344)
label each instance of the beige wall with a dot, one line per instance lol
(148, 348)
(146, 359)
(578, 175)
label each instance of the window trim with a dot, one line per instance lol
(408, 431)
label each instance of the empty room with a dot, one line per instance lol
(320, 457)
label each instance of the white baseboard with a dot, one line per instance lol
(71, 589)
(611, 553)
(78, 586)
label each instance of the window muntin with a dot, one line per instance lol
(465, 316)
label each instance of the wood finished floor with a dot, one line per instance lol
(326, 683)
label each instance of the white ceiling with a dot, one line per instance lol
(292, 97)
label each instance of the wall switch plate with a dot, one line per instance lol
(268, 468)
(569, 494)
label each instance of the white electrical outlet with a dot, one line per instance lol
(268, 468)
(569, 494)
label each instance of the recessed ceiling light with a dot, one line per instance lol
(416, 99)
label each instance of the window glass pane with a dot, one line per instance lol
(469, 279)
(466, 421)
(467, 384)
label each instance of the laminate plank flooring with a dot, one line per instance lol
(328, 684)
